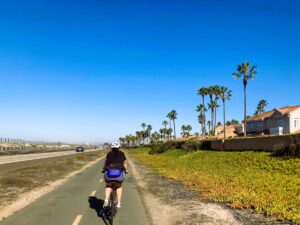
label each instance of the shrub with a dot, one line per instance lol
(192, 145)
(293, 150)
(155, 149)
(162, 147)
(179, 144)
(206, 145)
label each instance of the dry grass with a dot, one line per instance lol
(14, 182)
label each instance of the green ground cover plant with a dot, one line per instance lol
(269, 185)
(19, 178)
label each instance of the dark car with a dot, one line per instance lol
(79, 149)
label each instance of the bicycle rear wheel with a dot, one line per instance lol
(112, 206)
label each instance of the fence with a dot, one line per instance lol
(12, 144)
(269, 143)
(20, 141)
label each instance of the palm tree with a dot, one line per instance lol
(173, 116)
(246, 72)
(210, 93)
(149, 129)
(139, 136)
(203, 92)
(183, 128)
(201, 120)
(165, 124)
(216, 92)
(261, 107)
(169, 132)
(209, 124)
(201, 109)
(162, 133)
(225, 94)
(213, 105)
(188, 129)
(143, 125)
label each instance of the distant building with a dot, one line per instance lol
(284, 120)
(230, 131)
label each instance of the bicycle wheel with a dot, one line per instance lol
(112, 206)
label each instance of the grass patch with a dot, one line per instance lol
(269, 185)
(16, 181)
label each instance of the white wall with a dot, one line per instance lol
(294, 115)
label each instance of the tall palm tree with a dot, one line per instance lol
(216, 92)
(225, 94)
(173, 116)
(213, 105)
(210, 93)
(203, 92)
(246, 72)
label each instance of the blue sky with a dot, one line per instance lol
(91, 71)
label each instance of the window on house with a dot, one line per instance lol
(279, 123)
(296, 122)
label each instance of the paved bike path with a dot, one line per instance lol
(71, 200)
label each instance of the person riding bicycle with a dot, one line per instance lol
(114, 170)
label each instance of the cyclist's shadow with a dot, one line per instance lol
(97, 205)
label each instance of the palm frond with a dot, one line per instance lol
(236, 75)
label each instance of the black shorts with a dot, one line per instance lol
(110, 184)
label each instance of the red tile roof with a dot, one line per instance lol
(284, 111)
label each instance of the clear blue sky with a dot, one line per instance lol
(94, 70)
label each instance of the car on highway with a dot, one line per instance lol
(80, 149)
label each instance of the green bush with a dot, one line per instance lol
(184, 145)
(293, 150)
(162, 147)
(192, 146)
(206, 145)
(179, 144)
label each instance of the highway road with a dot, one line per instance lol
(79, 202)
(34, 156)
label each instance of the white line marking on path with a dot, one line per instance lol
(77, 220)
(101, 180)
(93, 194)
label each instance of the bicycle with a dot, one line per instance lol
(112, 209)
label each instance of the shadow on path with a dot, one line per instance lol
(97, 205)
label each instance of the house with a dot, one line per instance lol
(230, 131)
(284, 120)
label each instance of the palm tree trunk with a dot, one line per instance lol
(204, 125)
(245, 110)
(224, 119)
(174, 129)
(215, 124)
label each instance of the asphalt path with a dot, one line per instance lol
(34, 156)
(79, 202)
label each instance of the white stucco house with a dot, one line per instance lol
(284, 120)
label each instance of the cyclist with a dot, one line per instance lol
(114, 170)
